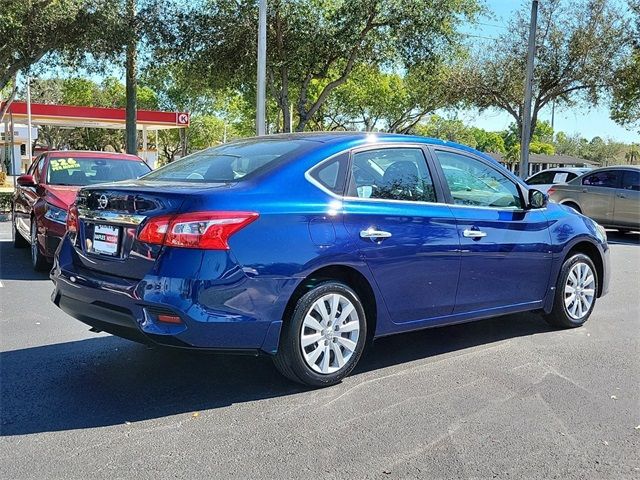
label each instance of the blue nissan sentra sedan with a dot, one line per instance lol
(306, 246)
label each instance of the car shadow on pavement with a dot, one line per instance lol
(107, 381)
(15, 263)
(617, 238)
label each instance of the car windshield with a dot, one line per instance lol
(79, 171)
(228, 163)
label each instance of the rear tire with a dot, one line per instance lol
(38, 260)
(323, 340)
(576, 292)
(18, 240)
(573, 205)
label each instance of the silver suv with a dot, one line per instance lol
(608, 195)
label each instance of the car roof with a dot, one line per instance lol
(91, 154)
(616, 167)
(564, 169)
(346, 137)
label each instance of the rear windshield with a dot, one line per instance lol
(78, 171)
(228, 163)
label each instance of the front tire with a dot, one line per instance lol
(576, 292)
(38, 260)
(323, 340)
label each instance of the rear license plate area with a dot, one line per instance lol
(106, 240)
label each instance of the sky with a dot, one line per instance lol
(587, 122)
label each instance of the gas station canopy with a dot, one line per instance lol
(95, 117)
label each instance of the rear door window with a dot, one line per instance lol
(391, 174)
(631, 180)
(332, 174)
(542, 178)
(605, 179)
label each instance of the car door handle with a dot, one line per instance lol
(622, 195)
(584, 190)
(373, 234)
(474, 233)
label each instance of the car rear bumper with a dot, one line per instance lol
(235, 318)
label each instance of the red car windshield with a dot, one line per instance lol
(78, 171)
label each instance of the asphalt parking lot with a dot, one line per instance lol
(502, 398)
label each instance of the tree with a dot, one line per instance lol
(491, 142)
(372, 99)
(452, 130)
(30, 29)
(131, 78)
(625, 105)
(313, 45)
(579, 43)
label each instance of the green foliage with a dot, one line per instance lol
(373, 99)
(536, 146)
(491, 142)
(314, 45)
(625, 107)
(73, 28)
(5, 201)
(579, 44)
(452, 130)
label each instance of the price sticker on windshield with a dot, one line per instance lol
(58, 164)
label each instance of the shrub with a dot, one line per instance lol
(5, 201)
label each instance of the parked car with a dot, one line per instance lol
(305, 246)
(609, 195)
(44, 193)
(544, 179)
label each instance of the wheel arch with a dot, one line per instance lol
(571, 204)
(590, 250)
(348, 275)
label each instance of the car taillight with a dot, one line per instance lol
(550, 191)
(206, 230)
(72, 218)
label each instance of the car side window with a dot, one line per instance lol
(631, 180)
(605, 179)
(37, 172)
(333, 174)
(32, 168)
(391, 174)
(474, 183)
(542, 178)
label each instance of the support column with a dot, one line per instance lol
(145, 152)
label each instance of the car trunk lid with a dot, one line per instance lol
(109, 220)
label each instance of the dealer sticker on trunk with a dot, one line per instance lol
(105, 239)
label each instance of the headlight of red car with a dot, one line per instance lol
(55, 214)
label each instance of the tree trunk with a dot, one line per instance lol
(184, 142)
(132, 134)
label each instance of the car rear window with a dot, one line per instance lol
(79, 171)
(228, 163)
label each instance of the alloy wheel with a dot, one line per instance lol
(579, 290)
(329, 333)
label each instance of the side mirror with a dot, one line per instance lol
(537, 199)
(26, 181)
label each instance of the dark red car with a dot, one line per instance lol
(50, 185)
